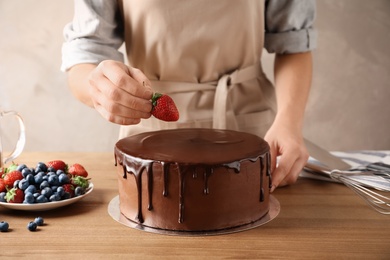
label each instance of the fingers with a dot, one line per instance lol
(291, 162)
(128, 79)
(119, 93)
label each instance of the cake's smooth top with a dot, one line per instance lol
(193, 146)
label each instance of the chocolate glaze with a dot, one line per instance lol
(189, 155)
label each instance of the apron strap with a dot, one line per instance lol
(221, 111)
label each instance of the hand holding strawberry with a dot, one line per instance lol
(164, 107)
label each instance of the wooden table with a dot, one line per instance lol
(318, 220)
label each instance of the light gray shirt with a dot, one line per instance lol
(95, 33)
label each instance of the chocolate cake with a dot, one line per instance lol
(193, 179)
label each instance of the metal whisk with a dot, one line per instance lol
(369, 185)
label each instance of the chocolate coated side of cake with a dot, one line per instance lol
(193, 179)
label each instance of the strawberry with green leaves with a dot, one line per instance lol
(15, 195)
(164, 108)
(57, 165)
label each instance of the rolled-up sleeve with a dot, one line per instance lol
(95, 33)
(289, 26)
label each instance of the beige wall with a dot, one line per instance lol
(348, 109)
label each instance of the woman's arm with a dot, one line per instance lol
(293, 74)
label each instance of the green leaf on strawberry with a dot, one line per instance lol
(14, 195)
(80, 181)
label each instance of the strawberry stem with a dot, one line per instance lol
(155, 97)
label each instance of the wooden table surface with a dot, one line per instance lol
(318, 220)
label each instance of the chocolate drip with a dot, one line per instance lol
(181, 192)
(269, 169)
(165, 167)
(261, 178)
(149, 171)
(207, 174)
(124, 172)
(194, 173)
(236, 166)
(137, 167)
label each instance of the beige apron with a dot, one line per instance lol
(206, 56)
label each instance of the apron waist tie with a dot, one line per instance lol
(221, 111)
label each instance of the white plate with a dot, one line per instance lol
(47, 205)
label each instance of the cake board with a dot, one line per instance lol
(114, 211)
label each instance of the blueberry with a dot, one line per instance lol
(78, 191)
(31, 188)
(41, 199)
(26, 171)
(16, 184)
(32, 226)
(29, 198)
(55, 197)
(23, 184)
(44, 184)
(2, 197)
(61, 191)
(39, 221)
(30, 178)
(53, 180)
(66, 196)
(63, 178)
(54, 188)
(51, 174)
(51, 169)
(21, 167)
(38, 178)
(41, 166)
(59, 172)
(36, 195)
(4, 226)
(32, 170)
(47, 192)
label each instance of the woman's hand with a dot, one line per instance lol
(287, 144)
(121, 94)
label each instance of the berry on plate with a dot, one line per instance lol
(78, 169)
(11, 177)
(15, 195)
(2, 185)
(57, 165)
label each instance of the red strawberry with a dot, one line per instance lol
(14, 195)
(69, 188)
(77, 169)
(2, 185)
(57, 165)
(11, 177)
(164, 108)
